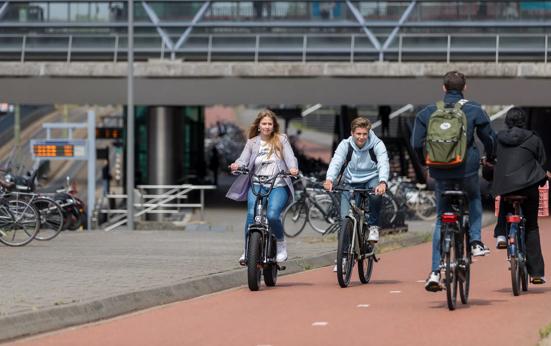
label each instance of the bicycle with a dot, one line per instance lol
(352, 244)
(314, 206)
(455, 250)
(516, 245)
(260, 242)
(19, 220)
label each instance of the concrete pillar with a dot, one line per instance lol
(161, 143)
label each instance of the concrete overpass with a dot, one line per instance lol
(175, 83)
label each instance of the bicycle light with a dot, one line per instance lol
(449, 218)
(513, 218)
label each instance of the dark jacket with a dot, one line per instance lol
(520, 159)
(477, 119)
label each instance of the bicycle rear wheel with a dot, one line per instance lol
(270, 272)
(254, 254)
(322, 216)
(294, 218)
(24, 227)
(51, 218)
(465, 282)
(345, 255)
(450, 279)
(515, 275)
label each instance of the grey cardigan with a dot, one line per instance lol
(240, 187)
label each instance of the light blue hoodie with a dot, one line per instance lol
(361, 168)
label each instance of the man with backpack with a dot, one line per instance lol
(443, 138)
(360, 161)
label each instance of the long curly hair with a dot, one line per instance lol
(274, 140)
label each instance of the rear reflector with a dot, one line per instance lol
(449, 218)
(512, 218)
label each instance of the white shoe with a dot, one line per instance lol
(373, 234)
(479, 249)
(281, 251)
(433, 282)
(242, 259)
(501, 242)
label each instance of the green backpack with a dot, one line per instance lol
(446, 141)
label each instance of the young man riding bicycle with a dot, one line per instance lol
(367, 167)
(462, 169)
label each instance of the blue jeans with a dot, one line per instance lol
(276, 202)
(471, 186)
(374, 201)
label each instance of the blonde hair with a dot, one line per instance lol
(273, 141)
(360, 122)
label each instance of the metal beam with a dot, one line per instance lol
(186, 33)
(155, 20)
(3, 8)
(362, 22)
(392, 35)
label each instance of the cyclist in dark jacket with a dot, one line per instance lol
(465, 175)
(519, 171)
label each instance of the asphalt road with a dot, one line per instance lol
(311, 309)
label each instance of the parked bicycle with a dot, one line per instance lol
(19, 220)
(455, 250)
(352, 244)
(414, 198)
(260, 242)
(315, 206)
(516, 245)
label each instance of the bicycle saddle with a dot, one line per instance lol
(454, 193)
(514, 198)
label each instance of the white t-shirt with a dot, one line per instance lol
(264, 165)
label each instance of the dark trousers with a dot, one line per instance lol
(534, 257)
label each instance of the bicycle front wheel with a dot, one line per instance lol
(254, 254)
(345, 254)
(294, 219)
(51, 218)
(24, 226)
(270, 272)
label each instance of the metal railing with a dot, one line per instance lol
(280, 47)
(168, 202)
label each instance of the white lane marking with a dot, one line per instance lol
(363, 305)
(421, 281)
(395, 291)
(320, 324)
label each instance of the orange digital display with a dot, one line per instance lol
(53, 150)
(109, 132)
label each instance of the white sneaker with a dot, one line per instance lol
(242, 259)
(373, 234)
(501, 242)
(479, 249)
(281, 251)
(433, 282)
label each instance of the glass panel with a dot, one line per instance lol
(58, 12)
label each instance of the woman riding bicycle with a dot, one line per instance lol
(519, 171)
(267, 152)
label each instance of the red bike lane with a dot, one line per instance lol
(311, 309)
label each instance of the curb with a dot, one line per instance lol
(51, 319)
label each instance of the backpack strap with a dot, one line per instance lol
(373, 156)
(346, 162)
(460, 103)
(440, 105)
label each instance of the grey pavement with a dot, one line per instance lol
(85, 276)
